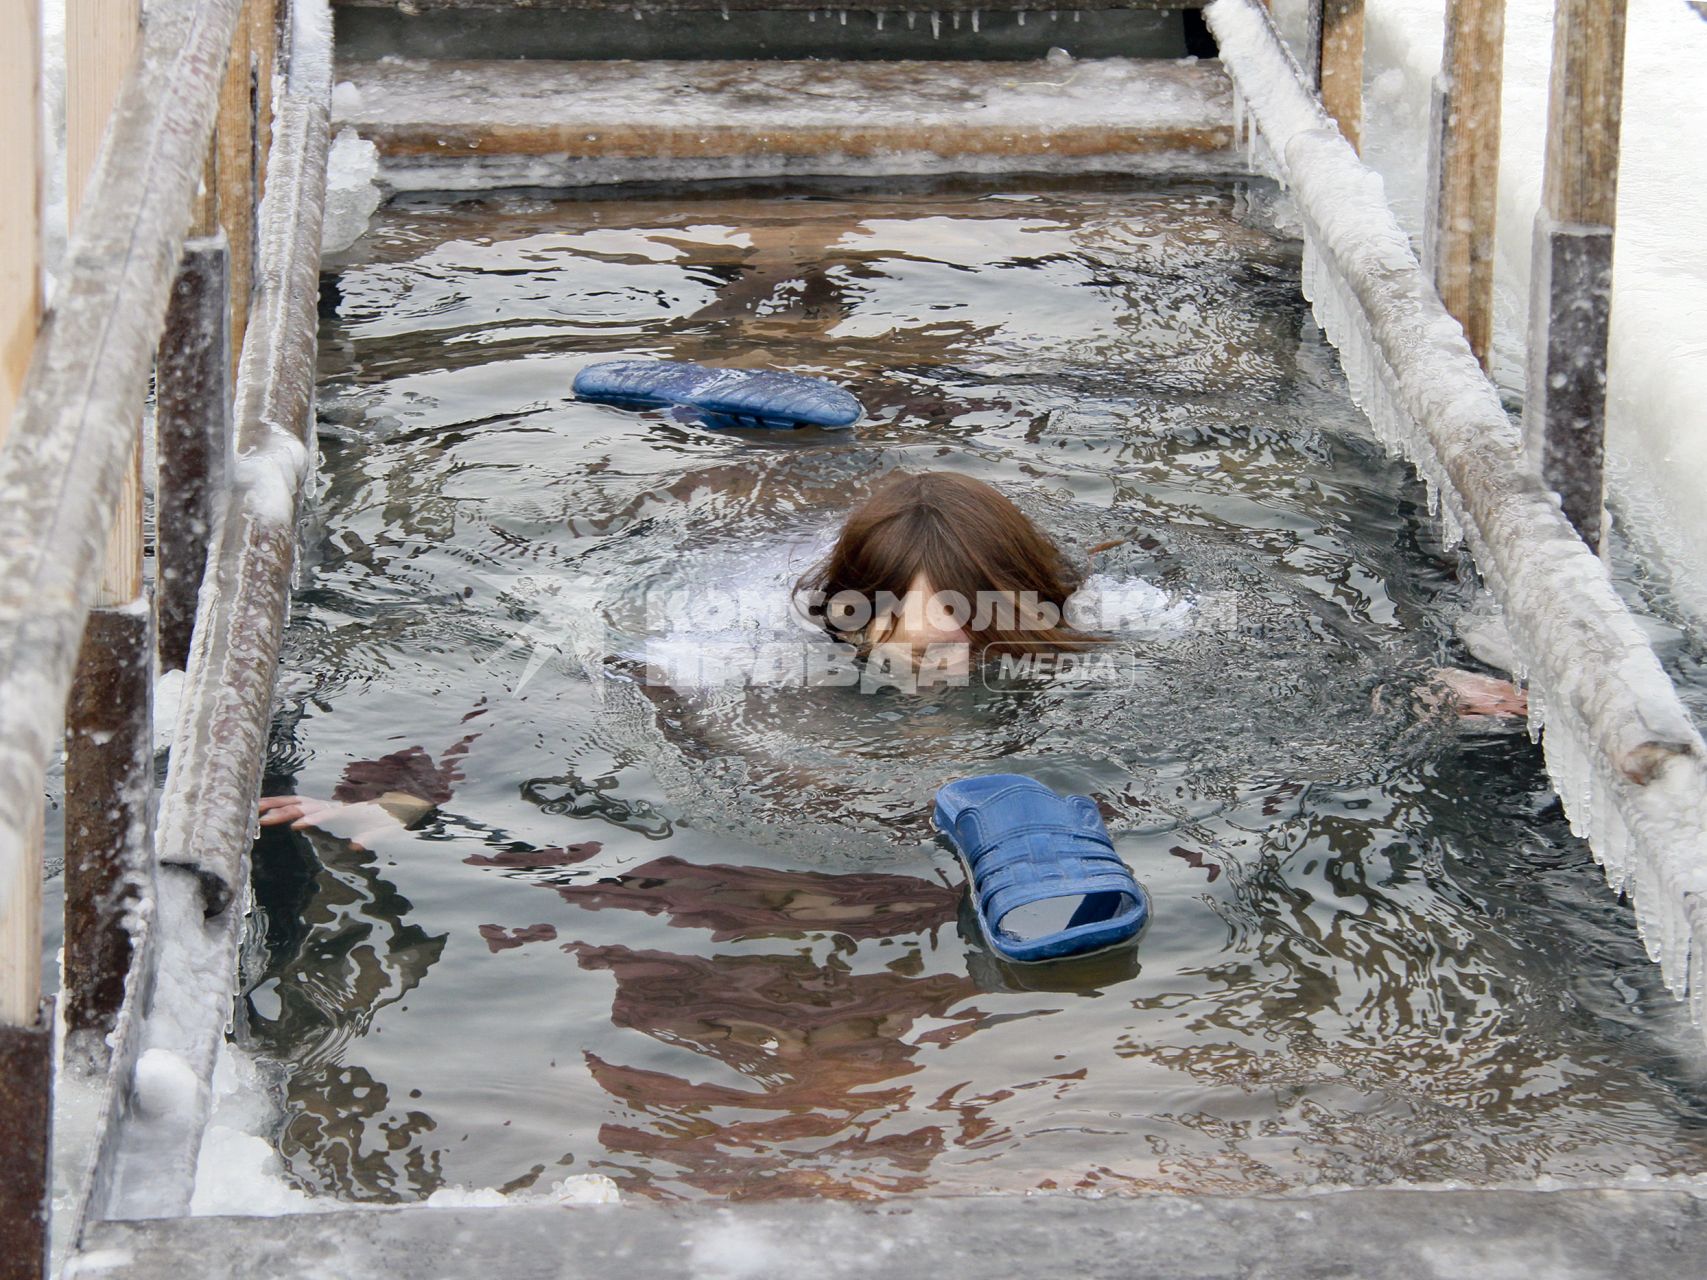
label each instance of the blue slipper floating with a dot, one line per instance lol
(726, 397)
(1046, 881)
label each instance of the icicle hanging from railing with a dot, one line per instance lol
(1628, 765)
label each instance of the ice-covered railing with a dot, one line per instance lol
(207, 807)
(64, 473)
(64, 461)
(61, 474)
(1627, 762)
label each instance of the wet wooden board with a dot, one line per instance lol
(730, 118)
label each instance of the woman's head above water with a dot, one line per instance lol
(939, 558)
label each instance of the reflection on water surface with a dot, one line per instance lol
(699, 938)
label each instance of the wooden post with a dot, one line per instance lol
(1311, 53)
(26, 1136)
(1464, 167)
(108, 729)
(100, 42)
(193, 422)
(26, 1036)
(101, 38)
(264, 49)
(20, 316)
(234, 149)
(20, 201)
(192, 434)
(1571, 281)
(109, 785)
(1339, 65)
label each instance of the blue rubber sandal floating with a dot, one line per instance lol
(1046, 881)
(725, 397)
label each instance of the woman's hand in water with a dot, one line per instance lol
(1467, 695)
(1470, 694)
(361, 824)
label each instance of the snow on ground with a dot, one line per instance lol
(239, 1171)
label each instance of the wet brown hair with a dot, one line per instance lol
(965, 538)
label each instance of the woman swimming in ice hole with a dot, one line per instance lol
(934, 570)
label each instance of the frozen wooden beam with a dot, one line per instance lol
(1570, 298)
(207, 807)
(441, 124)
(700, 30)
(1634, 1231)
(1464, 164)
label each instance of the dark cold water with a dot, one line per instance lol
(697, 936)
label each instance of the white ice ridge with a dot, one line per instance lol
(184, 971)
(352, 191)
(1627, 762)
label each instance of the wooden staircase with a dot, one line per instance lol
(724, 93)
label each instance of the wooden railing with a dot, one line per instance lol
(1571, 289)
(169, 132)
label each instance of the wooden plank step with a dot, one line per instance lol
(477, 125)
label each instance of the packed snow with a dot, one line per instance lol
(165, 1084)
(352, 190)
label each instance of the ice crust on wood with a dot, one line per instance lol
(71, 438)
(528, 97)
(207, 812)
(1624, 757)
(467, 125)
